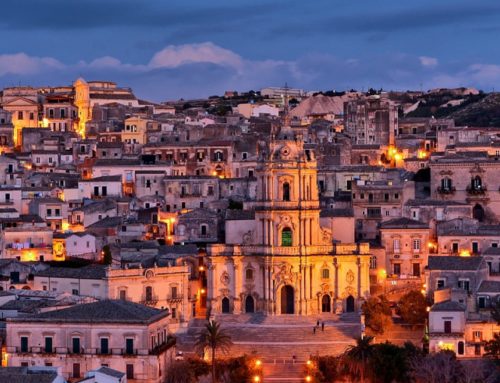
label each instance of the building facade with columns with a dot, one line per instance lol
(277, 259)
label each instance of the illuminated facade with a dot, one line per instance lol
(277, 258)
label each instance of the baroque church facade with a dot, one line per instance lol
(277, 259)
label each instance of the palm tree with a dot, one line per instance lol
(215, 338)
(357, 357)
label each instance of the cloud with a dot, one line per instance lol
(175, 56)
(204, 69)
(22, 64)
(428, 62)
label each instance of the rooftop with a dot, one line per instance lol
(105, 311)
(454, 263)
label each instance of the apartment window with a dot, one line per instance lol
(461, 348)
(123, 295)
(76, 345)
(104, 346)
(362, 196)
(74, 291)
(174, 313)
(397, 268)
(440, 283)
(173, 292)
(373, 262)
(454, 247)
(396, 245)
(104, 191)
(475, 247)
(58, 212)
(447, 326)
(416, 269)
(24, 344)
(7, 197)
(203, 229)
(477, 335)
(396, 196)
(129, 346)
(48, 344)
(416, 245)
(386, 196)
(183, 205)
(149, 293)
(464, 284)
(49, 212)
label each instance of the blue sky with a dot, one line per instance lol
(168, 49)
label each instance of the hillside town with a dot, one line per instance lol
(279, 214)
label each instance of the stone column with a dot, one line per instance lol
(358, 262)
(237, 287)
(265, 288)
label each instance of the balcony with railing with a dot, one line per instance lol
(149, 300)
(446, 190)
(69, 352)
(175, 298)
(476, 190)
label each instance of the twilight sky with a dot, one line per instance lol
(168, 49)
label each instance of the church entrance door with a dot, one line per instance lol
(225, 305)
(325, 304)
(249, 304)
(349, 304)
(287, 299)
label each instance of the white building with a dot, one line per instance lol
(122, 335)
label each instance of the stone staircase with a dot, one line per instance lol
(283, 372)
(278, 339)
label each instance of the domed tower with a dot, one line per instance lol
(287, 208)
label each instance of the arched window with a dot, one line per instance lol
(325, 274)
(286, 237)
(249, 274)
(461, 348)
(149, 293)
(286, 191)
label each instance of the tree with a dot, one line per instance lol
(327, 368)
(492, 347)
(495, 312)
(441, 367)
(235, 369)
(389, 363)
(413, 307)
(180, 372)
(357, 358)
(107, 258)
(377, 314)
(213, 338)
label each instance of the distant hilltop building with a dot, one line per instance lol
(277, 92)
